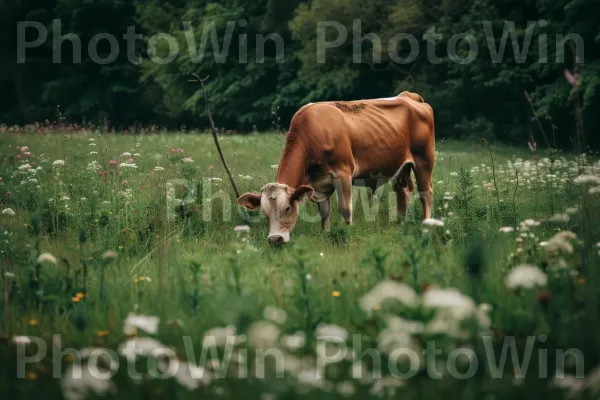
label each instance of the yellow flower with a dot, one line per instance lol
(142, 278)
(32, 376)
(581, 281)
(377, 308)
(33, 322)
(75, 299)
(336, 293)
(103, 333)
(135, 280)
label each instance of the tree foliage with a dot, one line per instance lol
(258, 75)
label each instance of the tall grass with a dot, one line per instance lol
(106, 225)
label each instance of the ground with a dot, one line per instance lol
(106, 209)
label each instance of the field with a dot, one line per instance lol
(97, 249)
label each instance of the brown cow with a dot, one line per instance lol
(333, 145)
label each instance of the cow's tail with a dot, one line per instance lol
(400, 179)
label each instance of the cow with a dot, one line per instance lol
(334, 145)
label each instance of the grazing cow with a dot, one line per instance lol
(333, 145)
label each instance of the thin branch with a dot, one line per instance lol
(493, 172)
(528, 98)
(214, 134)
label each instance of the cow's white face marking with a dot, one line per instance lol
(280, 204)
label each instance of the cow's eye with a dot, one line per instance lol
(288, 209)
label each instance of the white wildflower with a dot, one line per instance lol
(587, 179)
(526, 276)
(561, 241)
(295, 341)
(126, 154)
(91, 153)
(559, 218)
(21, 340)
(140, 346)
(507, 229)
(26, 167)
(158, 168)
(263, 335)
(275, 314)
(594, 190)
(9, 212)
(346, 388)
(215, 179)
(385, 291)
(58, 163)
(242, 229)
(220, 337)
(274, 166)
(77, 383)
(432, 222)
(93, 166)
(189, 375)
(530, 223)
(144, 322)
(330, 331)
(47, 257)
(187, 160)
(453, 174)
(128, 165)
(572, 210)
(458, 304)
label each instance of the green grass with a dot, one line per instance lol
(204, 275)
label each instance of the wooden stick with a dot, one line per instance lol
(214, 134)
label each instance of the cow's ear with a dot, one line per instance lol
(301, 193)
(249, 200)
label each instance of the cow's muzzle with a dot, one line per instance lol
(276, 240)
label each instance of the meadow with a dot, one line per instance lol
(116, 240)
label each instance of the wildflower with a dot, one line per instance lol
(594, 190)
(9, 212)
(21, 340)
(263, 335)
(572, 210)
(295, 341)
(330, 331)
(93, 166)
(526, 276)
(507, 229)
(58, 163)
(126, 154)
(587, 179)
(33, 322)
(432, 222)
(112, 162)
(559, 218)
(336, 293)
(78, 382)
(242, 229)
(144, 322)
(189, 375)
(321, 254)
(346, 388)
(275, 314)
(9, 275)
(127, 165)
(561, 241)
(215, 179)
(187, 160)
(31, 376)
(530, 223)
(103, 333)
(460, 305)
(220, 336)
(274, 166)
(386, 291)
(47, 257)
(109, 255)
(91, 153)
(158, 168)
(142, 346)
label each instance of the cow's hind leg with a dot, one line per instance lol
(403, 196)
(343, 187)
(325, 212)
(423, 172)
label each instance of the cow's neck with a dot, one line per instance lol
(293, 166)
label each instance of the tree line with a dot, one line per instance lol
(512, 70)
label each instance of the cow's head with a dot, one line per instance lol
(280, 203)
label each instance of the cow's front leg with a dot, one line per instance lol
(325, 211)
(343, 187)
